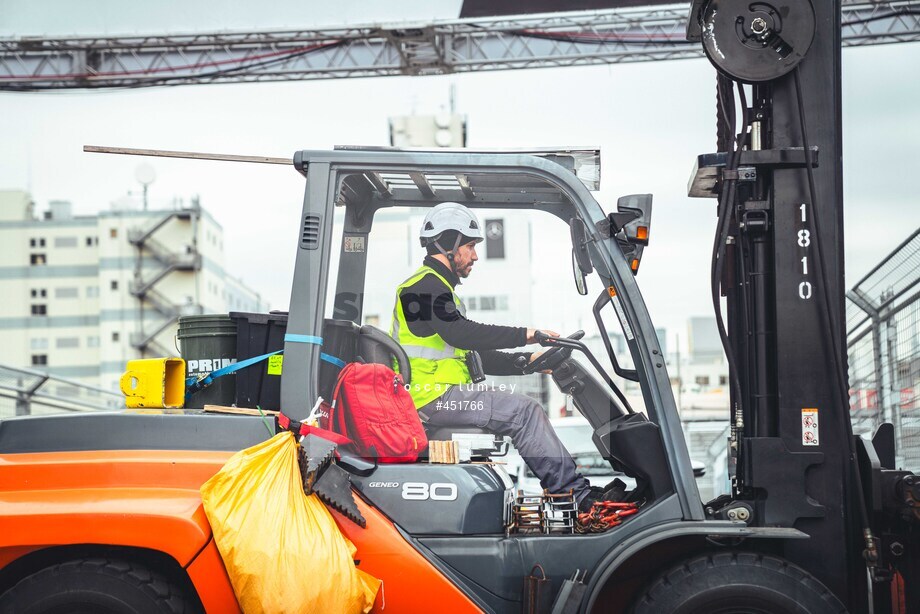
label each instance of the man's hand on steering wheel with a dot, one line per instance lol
(531, 333)
(545, 360)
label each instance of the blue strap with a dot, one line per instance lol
(194, 384)
(316, 341)
(332, 359)
(303, 339)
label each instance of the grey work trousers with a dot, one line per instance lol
(519, 417)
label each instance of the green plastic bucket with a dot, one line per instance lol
(208, 343)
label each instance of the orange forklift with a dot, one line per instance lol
(102, 512)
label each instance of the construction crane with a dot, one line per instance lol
(637, 34)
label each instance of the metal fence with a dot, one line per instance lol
(883, 344)
(26, 392)
(707, 443)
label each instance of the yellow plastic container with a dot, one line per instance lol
(154, 382)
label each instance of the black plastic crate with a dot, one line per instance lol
(257, 334)
(261, 333)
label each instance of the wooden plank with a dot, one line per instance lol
(239, 411)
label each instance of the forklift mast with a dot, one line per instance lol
(779, 268)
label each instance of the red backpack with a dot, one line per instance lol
(372, 407)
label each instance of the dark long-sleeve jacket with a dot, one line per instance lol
(430, 309)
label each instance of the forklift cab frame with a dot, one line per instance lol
(652, 449)
(365, 180)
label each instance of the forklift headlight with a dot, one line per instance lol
(632, 253)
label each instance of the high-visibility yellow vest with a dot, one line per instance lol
(436, 365)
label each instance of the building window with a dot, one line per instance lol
(39, 310)
(472, 303)
(33, 243)
(39, 293)
(66, 292)
(115, 336)
(66, 343)
(114, 284)
(65, 241)
(702, 380)
(37, 242)
(92, 291)
(39, 360)
(90, 241)
(38, 260)
(113, 233)
(92, 341)
(38, 343)
(723, 380)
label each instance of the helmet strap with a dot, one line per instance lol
(450, 254)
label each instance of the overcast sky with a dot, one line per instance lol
(649, 119)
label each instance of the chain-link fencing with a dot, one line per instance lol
(883, 344)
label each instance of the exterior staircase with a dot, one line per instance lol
(144, 285)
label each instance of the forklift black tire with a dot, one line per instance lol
(737, 583)
(96, 586)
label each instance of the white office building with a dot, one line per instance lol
(84, 294)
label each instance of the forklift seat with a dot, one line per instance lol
(375, 346)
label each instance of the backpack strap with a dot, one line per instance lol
(336, 415)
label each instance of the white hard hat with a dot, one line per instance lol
(449, 216)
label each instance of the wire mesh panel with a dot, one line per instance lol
(707, 442)
(883, 344)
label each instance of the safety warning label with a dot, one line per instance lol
(810, 426)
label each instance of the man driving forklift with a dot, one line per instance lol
(450, 354)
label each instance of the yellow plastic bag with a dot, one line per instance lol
(282, 549)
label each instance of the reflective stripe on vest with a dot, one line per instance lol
(420, 351)
(436, 365)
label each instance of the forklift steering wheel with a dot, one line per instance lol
(551, 357)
